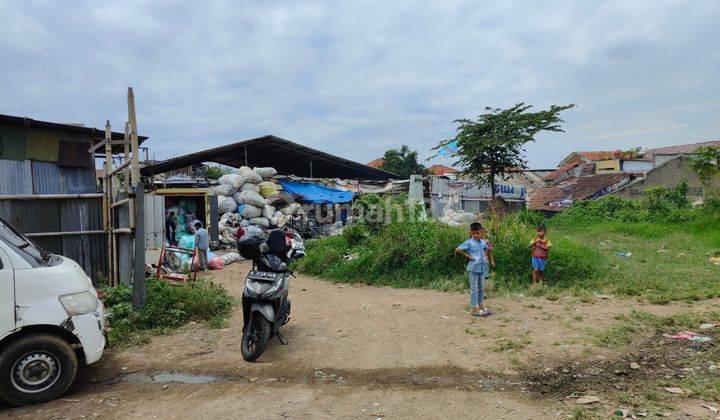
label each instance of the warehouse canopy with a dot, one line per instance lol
(316, 194)
(287, 157)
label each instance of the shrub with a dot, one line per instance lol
(421, 254)
(166, 307)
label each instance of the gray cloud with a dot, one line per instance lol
(356, 78)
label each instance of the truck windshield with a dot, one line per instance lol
(24, 247)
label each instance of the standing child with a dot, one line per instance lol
(477, 251)
(540, 246)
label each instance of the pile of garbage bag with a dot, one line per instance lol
(250, 200)
(458, 217)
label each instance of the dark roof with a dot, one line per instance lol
(94, 133)
(576, 189)
(680, 149)
(287, 157)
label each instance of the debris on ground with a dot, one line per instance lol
(587, 399)
(634, 366)
(707, 326)
(714, 410)
(714, 260)
(351, 257)
(690, 336)
(674, 390)
(624, 254)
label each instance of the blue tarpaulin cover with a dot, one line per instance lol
(316, 194)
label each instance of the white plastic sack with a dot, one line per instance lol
(277, 213)
(291, 209)
(224, 189)
(253, 230)
(232, 179)
(260, 221)
(253, 198)
(238, 198)
(265, 172)
(251, 211)
(464, 217)
(230, 258)
(268, 211)
(250, 187)
(244, 223)
(226, 204)
(250, 175)
(279, 221)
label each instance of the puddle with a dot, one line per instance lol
(169, 377)
(183, 378)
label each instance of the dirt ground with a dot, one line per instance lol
(356, 352)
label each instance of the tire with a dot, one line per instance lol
(256, 337)
(36, 368)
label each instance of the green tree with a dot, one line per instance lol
(216, 171)
(493, 144)
(706, 163)
(403, 162)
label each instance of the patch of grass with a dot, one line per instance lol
(167, 307)
(703, 386)
(476, 331)
(218, 322)
(506, 344)
(639, 324)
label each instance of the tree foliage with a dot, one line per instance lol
(493, 144)
(706, 163)
(403, 162)
(216, 171)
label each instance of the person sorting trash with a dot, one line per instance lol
(202, 243)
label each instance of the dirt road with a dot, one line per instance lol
(352, 352)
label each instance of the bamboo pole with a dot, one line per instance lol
(107, 201)
(126, 156)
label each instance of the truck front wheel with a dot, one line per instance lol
(36, 368)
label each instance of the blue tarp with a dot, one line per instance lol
(316, 194)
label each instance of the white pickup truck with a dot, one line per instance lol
(51, 320)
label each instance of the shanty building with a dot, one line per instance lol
(49, 190)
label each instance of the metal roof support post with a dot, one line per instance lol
(311, 174)
(246, 161)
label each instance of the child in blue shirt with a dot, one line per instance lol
(479, 253)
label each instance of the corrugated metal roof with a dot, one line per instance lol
(15, 177)
(45, 177)
(77, 180)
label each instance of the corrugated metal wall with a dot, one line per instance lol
(45, 177)
(15, 177)
(42, 215)
(32, 216)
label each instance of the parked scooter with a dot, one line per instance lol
(265, 302)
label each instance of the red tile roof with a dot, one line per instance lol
(442, 170)
(681, 149)
(561, 170)
(376, 163)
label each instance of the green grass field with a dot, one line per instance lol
(669, 245)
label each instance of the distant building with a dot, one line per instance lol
(442, 170)
(664, 154)
(376, 163)
(668, 174)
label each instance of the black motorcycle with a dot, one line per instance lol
(265, 302)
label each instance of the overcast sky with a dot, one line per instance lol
(357, 78)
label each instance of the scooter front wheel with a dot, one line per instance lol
(256, 337)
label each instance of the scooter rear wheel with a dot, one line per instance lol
(255, 338)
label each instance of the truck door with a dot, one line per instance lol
(7, 294)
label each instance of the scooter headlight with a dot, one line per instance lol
(79, 303)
